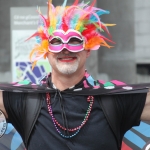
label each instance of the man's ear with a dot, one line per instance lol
(88, 53)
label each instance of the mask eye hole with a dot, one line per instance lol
(75, 41)
(55, 41)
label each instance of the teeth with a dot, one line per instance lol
(66, 58)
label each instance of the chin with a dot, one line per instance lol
(67, 72)
(67, 69)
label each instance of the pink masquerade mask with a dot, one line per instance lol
(71, 40)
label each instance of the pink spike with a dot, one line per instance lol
(33, 84)
(101, 81)
(85, 84)
(13, 82)
(94, 1)
(17, 84)
(107, 39)
(92, 5)
(35, 34)
(86, 74)
(96, 87)
(116, 82)
(76, 2)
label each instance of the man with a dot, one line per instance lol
(70, 117)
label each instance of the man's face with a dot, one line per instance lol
(67, 51)
(67, 62)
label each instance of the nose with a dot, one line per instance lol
(65, 51)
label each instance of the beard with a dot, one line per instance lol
(65, 67)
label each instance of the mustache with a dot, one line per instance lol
(66, 55)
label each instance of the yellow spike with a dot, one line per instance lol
(50, 1)
(39, 10)
(109, 24)
(79, 24)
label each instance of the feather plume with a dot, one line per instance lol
(82, 17)
(91, 6)
(41, 35)
(76, 2)
(88, 29)
(71, 16)
(39, 51)
(64, 4)
(99, 13)
(64, 24)
(73, 22)
(96, 41)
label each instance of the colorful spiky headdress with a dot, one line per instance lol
(80, 17)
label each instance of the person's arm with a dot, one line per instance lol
(2, 108)
(146, 111)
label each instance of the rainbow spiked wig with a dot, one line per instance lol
(80, 17)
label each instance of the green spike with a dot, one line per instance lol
(24, 82)
(82, 28)
(50, 30)
(108, 84)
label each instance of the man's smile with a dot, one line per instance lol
(67, 59)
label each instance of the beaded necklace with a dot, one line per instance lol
(90, 99)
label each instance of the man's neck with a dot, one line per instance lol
(63, 82)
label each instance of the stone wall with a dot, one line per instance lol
(131, 34)
(119, 61)
(142, 31)
(142, 40)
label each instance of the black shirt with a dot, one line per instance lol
(94, 135)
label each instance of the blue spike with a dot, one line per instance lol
(99, 13)
(64, 4)
(90, 80)
(59, 21)
(74, 21)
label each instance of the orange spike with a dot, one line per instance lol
(96, 41)
(33, 64)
